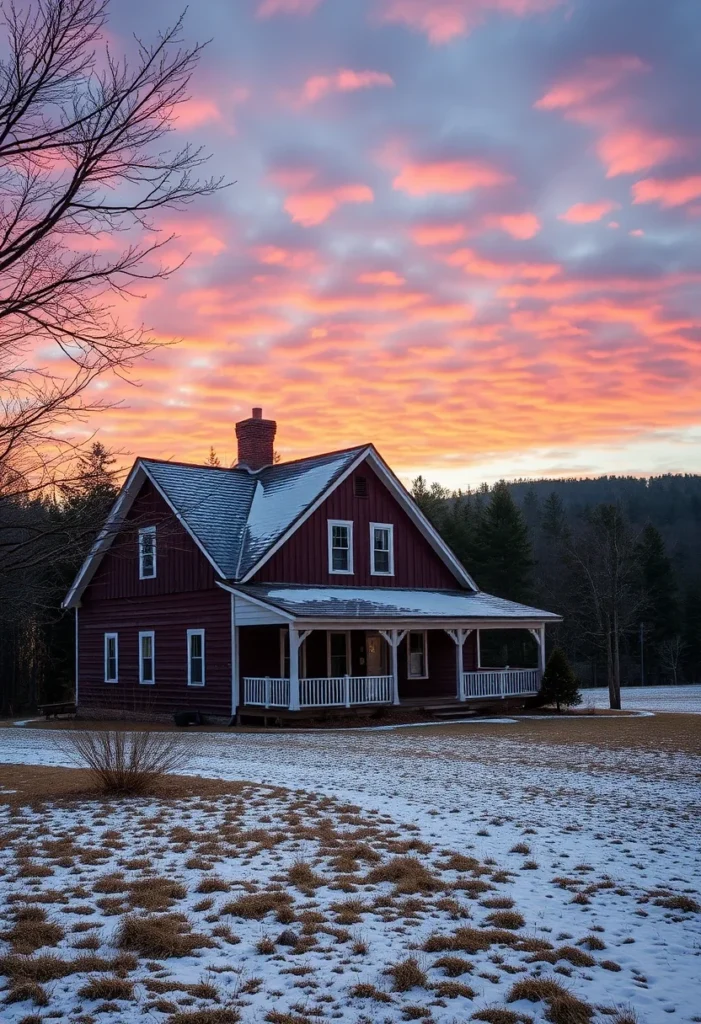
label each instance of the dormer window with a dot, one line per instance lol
(340, 547)
(147, 552)
(381, 549)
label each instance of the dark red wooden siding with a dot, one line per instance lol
(304, 558)
(180, 564)
(169, 616)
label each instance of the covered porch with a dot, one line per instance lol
(305, 655)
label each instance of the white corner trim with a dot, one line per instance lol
(268, 605)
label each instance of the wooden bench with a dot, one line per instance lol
(66, 707)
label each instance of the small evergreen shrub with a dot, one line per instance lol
(559, 686)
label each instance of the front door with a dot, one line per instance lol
(377, 655)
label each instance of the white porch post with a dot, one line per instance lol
(459, 636)
(541, 652)
(394, 637)
(235, 683)
(294, 668)
(395, 666)
(479, 650)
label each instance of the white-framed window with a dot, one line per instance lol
(338, 654)
(111, 657)
(147, 552)
(147, 658)
(340, 546)
(417, 654)
(381, 549)
(195, 657)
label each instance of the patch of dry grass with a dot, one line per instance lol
(31, 930)
(454, 966)
(27, 991)
(407, 974)
(228, 1015)
(510, 919)
(562, 1006)
(160, 936)
(303, 876)
(256, 905)
(408, 874)
(107, 988)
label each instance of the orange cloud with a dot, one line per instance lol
(628, 151)
(473, 263)
(386, 278)
(587, 213)
(267, 8)
(448, 177)
(195, 112)
(443, 20)
(598, 76)
(667, 192)
(345, 80)
(518, 225)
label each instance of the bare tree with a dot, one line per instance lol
(83, 161)
(671, 652)
(603, 557)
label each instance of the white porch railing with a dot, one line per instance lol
(334, 691)
(345, 691)
(510, 682)
(266, 691)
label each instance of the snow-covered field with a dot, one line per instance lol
(681, 699)
(589, 843)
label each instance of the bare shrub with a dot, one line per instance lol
(127, 763)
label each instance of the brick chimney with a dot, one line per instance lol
(256, 437)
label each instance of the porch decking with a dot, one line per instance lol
(356, 691)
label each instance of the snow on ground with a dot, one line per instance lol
(680, 699)
(617, 828)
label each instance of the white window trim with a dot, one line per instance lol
(142, 533)
(346, 633)
(115, 637)
(147, 682)
(190, 634)
(409, 674)
(349, 524)
(285, 633)
(390, 528)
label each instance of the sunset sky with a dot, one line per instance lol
(466, 230)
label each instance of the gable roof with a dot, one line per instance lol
(239, 518)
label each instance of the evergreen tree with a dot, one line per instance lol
(692, 633)
(660, 610)
(213, 459)
(559, 684)
(504, 558)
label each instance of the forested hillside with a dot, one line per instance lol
(618, 557)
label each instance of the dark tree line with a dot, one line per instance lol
(617, 557)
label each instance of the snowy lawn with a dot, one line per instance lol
(681, 699)
(426, 874)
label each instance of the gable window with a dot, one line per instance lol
(360, 486)
(111, 657)
(147, 658)
(195, 657)
(338, 652)
(417, 661)
(147, 553)
(340, 546)
(381, 549)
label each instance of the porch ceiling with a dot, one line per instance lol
(373, 606)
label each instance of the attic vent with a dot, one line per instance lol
(360, 486)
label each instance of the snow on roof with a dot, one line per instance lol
(237, 515)
(385, 602)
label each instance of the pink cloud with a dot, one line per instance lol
(437, 234)
(518, 225)
(587, 213)
(443, 20)
(194, 112)
(448, 177)
(268, 8)
(597, 76)
(386, 278)
(314, 206)
(344, 80)
(667, 192)
(630, 150)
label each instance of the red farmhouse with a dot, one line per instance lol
(301, 585)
